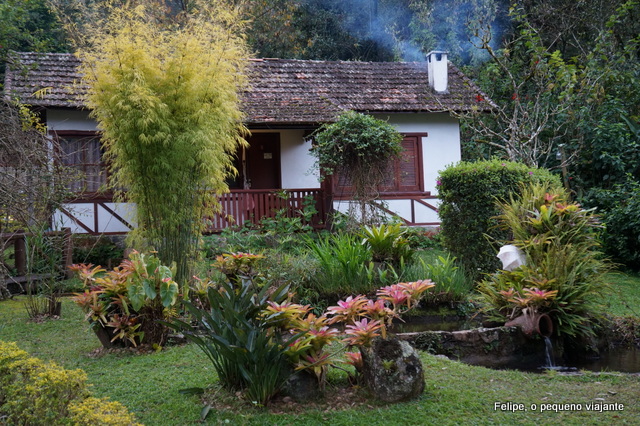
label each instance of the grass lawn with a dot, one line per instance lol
(455, 393)
(624, 297)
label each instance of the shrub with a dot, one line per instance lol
(563, 273)
(96, 250)
(620, 210)
(387, 243)
(100, 411)
(35, 393)
(451, 282)
(423, 238)
(469, 192)
(244, 353)
(129, 299)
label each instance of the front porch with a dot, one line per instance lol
(239, 207)
(247, 207)
(250, 206)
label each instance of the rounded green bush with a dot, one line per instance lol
(36, 393)
(469, 192)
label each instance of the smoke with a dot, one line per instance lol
(412, 28)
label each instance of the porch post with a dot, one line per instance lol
(20, 253)
(327, 199)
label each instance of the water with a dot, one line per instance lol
(548, 353)
(623, 359)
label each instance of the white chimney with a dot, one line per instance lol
(437, 70)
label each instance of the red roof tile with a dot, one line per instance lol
(282, 92)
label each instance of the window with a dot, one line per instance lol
(82, 151)
(405, 174)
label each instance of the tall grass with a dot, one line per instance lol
(345, 266)
(452, 284)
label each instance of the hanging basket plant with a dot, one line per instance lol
(360, 149)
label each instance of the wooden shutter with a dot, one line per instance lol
(405, 174)
(408, 165)
(82, 151)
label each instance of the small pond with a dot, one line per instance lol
(433, 323)
(623, 360)
(536, 357)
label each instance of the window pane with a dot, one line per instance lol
(83, 153)
(403, 175)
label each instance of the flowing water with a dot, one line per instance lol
(548, 353)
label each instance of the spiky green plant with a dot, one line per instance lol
(560, 241)
(237, 340)
(345, 265)
(387, 242)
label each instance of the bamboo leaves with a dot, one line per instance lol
(166, 100)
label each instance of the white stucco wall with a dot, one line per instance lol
(439, 149)
(89, 214)
(296, 162)
(68, 119)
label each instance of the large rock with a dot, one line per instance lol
(392, 370)
(302, 386)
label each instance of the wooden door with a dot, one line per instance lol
(263, 161)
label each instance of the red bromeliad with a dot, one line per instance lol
(362, 332)
(348, 310)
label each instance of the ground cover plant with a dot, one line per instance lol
(34, 392)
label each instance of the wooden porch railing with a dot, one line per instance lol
(252, 205)
(414, 202)
(14, 271)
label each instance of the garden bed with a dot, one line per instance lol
(149, 384)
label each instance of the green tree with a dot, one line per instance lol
(535, 90)
(451, 25)
(28, 26)
(569, 25)
(166, 100)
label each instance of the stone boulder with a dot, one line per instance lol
(392, 370)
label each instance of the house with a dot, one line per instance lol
(287, 100)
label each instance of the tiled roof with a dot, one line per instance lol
(282, 92)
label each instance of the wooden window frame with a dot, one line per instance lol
(58, 135)
(395, 191)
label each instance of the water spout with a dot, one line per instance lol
(533, 324)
